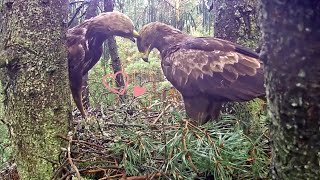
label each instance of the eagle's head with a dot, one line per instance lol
(111, 24)
(152, 35)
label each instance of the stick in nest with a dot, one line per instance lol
(70, 159)
(160, 115)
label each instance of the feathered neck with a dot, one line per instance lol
(166, 41)
(167, 36)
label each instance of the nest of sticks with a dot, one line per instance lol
(158, 142)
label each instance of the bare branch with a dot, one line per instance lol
(70, 159)
(77, 12)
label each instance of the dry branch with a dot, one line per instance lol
(70, 159)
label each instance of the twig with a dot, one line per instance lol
(184, 144)
(81, 141)
(155, 175)
(77, 12)
(90, 171)
(154, 104)
(49, 160)
(2, 120)
(111, 177)
(123, 125)
(75, 2)
(70, 159)
(59, 170)
(99, 127)
(160, 115)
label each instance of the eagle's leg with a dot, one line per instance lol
(214, 110)
(76, 90)
(201, 109)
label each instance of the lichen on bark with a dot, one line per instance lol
(37, 97)
(236, 21)
(291, 50)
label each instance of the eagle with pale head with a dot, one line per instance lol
(85, 46)
(206, 71)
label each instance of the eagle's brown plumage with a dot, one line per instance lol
(207, 71)
(85, 46)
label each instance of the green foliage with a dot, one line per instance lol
(187, 15)
(177, 149)
(138, 66)
(224, 152)
(139, 73)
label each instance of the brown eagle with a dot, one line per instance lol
(207, 71)
(85, 46)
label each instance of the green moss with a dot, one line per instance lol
(38, 101)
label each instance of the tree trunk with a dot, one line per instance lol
(91, 12)
(9, 172)
(35, 78)
(113, 51)
(291, 51)
(236, 21)
(226, 25)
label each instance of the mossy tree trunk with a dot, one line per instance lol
(35, 78)
(226, 25)
(291, 51)
(236, 21)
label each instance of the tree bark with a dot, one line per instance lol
(226, 25)
(113, 51)
(91, 12)
(291, 51)
(236, 21)
(35, 81)
(9, 172)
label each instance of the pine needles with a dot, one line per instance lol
(172, 149)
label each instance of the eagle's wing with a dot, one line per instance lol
(215, 67)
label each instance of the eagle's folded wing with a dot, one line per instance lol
(214, 68)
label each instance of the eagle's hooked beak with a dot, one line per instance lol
(145, 55)
(135, 34)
